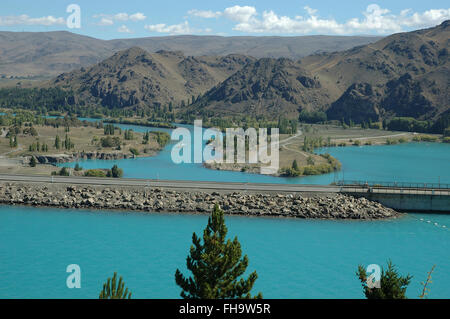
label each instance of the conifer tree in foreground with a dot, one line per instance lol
(216, 265)
(113, 291)
(392, 285)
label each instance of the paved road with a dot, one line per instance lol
(219, 186)
(172, 184)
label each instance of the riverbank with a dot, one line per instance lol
(323, 206)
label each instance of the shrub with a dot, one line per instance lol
(95, 173)
(425, 138)
(62, 172)
(116, 172)
(134, 151)
(390, 141)
(162, 138)
(33, 161)
(110, 141)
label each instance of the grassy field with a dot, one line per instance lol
(84, 139)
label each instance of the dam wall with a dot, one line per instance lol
(432, 203)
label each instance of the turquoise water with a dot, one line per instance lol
(293, 258)
(411, 162)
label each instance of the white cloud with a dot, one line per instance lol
(106, 21)
(240, 14)
(182, 28)
(124, 29)
(26, 20)
(138, 16)
(110, 19)
(204, 14)
(375, 20)
(121, 16)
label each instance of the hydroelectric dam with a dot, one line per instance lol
(404, 197)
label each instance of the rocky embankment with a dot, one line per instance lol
(325, 206)
(65, 158)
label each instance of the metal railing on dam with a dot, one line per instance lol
(395, 187)
(404, 185)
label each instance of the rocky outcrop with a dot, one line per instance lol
(359, 103)
(66, 158)
(326, 206)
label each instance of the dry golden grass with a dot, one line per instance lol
(82, 137)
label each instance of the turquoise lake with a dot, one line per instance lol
(293, 258)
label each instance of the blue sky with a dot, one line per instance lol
(135, 18)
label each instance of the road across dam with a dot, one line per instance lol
(402, 197)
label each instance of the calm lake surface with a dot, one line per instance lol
(293, 258)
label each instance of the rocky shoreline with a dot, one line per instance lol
(324, 206)
(73, 157)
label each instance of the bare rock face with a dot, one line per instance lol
(332, 206)
(138, 78)
(359, 103)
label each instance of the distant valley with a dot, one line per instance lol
(405, 75)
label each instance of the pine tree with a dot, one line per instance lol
(114, 290)
(146, 138)
(392, 285)
(295, 165)
(57, 142)
(216, 265)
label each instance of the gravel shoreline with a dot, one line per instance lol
(323, 206)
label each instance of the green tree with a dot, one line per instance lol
(114, 290)
(146, 138)
(216, 265)
(295, 165)
(33, 161)
(392, 285)
(64, 172)
(68, 143)
(116, 172)
(57, 142)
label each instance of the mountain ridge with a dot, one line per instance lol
(48, 54)
(403, 75)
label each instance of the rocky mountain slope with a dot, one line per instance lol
(266, 87)
(403, 75)
(137, 78)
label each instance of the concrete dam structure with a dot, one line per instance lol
(407, 197)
